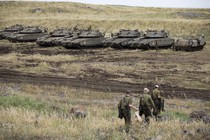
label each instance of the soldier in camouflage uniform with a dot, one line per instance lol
(158, 100)
(146, 105)
(126, 105)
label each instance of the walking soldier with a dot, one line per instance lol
(146, 105)
(124, 108)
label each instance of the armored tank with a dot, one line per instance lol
(152, 39)
(1, 32)
(10, 30)
(28, 34)
(55, 38)
(85, 39)
(121, 39)
(189, 44)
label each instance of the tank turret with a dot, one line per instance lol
(156, 34)
(28, 34)
(55, 38)
(85, 39)
(152, 39)
(10, 30)
(121, 39)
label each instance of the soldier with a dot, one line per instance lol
(126, 105)
(202, 40)
(158, 100)
(146, 105)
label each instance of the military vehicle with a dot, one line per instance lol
(1, 32)
(120, 40)
(152, 39)
(55, 38)
(85, 39)
(189, 44)
(28, 34)
(10, 30)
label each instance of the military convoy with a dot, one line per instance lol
(88, 38)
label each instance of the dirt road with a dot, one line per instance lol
(191, 67)
(11, 76)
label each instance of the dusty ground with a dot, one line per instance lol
(175, 67)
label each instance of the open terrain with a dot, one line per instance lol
(180, 74)
(39, 85)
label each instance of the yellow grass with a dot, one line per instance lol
(105, 18)
(101, 122)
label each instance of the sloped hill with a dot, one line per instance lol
(179, 22)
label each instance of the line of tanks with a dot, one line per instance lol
(74, 38)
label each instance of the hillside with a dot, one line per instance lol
(40, 85)
(179, 22)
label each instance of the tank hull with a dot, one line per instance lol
(49, 41)
(118, 43)
(1, 33)
(79, 43)
(56, 37)
(151, 43)
(6, 35)
(189, 45)
(8, 31)
(26, 37)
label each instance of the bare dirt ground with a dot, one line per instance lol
(103, 81)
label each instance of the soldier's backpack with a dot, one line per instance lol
(121, 106)
(120, 112)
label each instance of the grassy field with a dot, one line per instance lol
(41, 111)
(179, 22)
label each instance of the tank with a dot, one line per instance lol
(10, 30)
(28, 34)
(190, 44)
(55, 38)
(152, 39)
(1, 32)
(120, 40)
(85, 39)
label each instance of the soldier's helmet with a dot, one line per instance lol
(156, 86)
(146, 90)
(128, 92)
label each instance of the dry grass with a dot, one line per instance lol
(26, 121)
(102, 121)
(132, 66)
(105, 18)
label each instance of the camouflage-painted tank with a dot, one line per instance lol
(190, 44)
(121, 39)
(85, 39)
(28, 34)
(55, 38)
(1, 32)
(153, 39)
(10, 30)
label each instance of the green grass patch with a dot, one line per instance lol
(28, 103)
(178, 115)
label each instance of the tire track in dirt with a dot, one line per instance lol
(12, 76)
